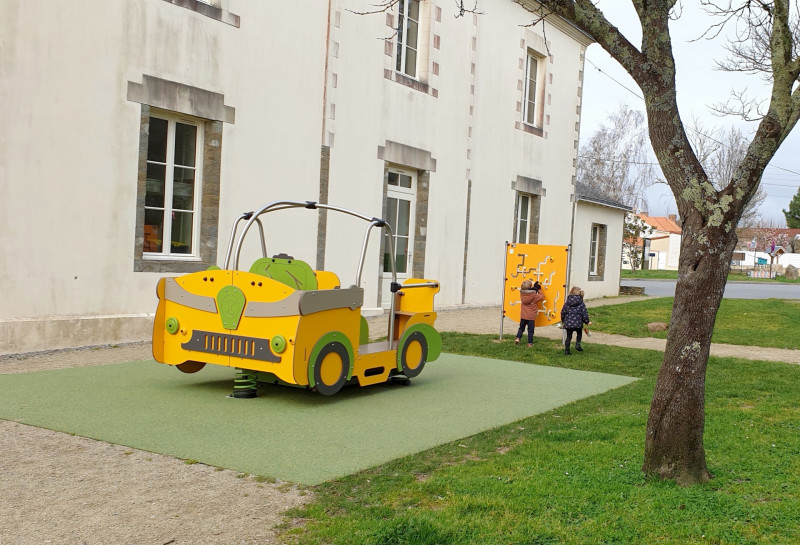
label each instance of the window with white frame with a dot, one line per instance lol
(408, 29)
(400, 202)
(594, 247)
(530, 105)
(523, 218)
(173, 187)
(597, 252)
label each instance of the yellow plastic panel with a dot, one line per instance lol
(192, 303)
(538, 263)
(327, 280)
(386, 359)
(159, 330)
(417, 299)
(403, 322)
(260, 289)
(312, 327)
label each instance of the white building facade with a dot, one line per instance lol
(141, 129)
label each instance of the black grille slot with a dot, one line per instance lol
(223, 344)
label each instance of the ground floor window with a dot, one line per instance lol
(597, 252)
(178, 192)
(526, 218)
(400, 201)
(173, 186)
(522, 218)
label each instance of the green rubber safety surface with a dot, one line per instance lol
(289, 433)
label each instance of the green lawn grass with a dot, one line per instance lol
(733, 276)
(573, 475)
(750, 322)
(654, 274)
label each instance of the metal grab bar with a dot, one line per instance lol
(246, 215)
(274, 206)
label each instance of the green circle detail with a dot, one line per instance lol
(278, 344)
(172, 325)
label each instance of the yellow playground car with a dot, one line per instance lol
(281, 322)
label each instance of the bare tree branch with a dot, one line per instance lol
(462, 10)
(749, 109)
(615, 159)
(380, 7)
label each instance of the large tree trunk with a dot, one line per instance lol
(674, 440)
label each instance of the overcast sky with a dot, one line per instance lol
(699, 86)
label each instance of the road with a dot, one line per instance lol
(733, 290)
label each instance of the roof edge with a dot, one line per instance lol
(581, 198)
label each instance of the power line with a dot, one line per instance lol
(615, 81)
(690, 128)
(650, 163)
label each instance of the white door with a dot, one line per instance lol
(400, 211)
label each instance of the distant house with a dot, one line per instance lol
(665, 242)
(762, 239)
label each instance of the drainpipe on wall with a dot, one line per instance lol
(571, 245)
(324, 166)
(325, 74)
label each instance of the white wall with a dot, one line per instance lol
(69, 161)
(586, 215)
(502, 152)
(297, 80)
(469, 129)
(784, 260)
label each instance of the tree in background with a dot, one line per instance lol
(720, 152)
(762, 237)
(793, 214)
(615, 160)
(633, 231)
(767, 43)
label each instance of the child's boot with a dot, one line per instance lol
(578, 347)
(516, 341)
(566, 350)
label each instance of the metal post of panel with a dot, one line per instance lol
(503, 295)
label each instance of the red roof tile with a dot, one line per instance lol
(662, 224)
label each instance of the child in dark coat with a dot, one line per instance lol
(529, 296)
(573, 316)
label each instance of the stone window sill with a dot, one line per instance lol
(411, 82)
(208, 10)
(530, 129)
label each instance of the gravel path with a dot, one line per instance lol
(62, 489)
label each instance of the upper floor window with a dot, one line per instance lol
(216, 9)
(407, 37)
(530, 108)
(173, 187)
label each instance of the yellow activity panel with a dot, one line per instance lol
(537, 263)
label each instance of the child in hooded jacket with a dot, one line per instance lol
(573, 316)
(529, 296)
